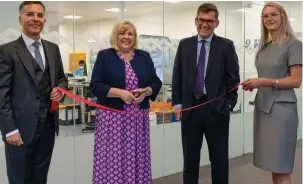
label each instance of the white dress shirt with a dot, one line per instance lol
(29, 44)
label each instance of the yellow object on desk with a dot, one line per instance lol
(162, 107)
(62, 106)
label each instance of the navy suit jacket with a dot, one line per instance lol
(109, 71)
(222, 74)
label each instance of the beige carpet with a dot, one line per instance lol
(241, 172)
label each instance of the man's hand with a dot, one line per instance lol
(14, 139)
(56, 95)
(178, 113)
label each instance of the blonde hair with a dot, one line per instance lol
(286, 29)
(120, 26)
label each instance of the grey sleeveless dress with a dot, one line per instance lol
(276, 115)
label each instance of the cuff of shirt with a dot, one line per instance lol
(177, 106)
(12, 133)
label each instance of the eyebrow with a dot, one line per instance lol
(35, 12)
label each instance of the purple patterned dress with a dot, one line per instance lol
(122, 142)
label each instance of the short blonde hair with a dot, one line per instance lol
(122, 25)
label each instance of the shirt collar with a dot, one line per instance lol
(207, 39)
(29, 41)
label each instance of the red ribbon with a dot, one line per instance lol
(55, 105)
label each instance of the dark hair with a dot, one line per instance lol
(207, 7)
(24, 3)
(81, 62)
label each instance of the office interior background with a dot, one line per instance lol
(81, 29)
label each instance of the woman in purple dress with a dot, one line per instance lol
(123, 78)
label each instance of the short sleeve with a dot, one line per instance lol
(295, 53)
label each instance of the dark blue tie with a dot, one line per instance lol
(38, 56)
(200, 72)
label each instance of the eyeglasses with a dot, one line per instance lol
(208, 21)
(271, 15)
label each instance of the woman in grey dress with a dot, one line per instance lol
(279, 66)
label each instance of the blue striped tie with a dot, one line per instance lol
(38, 56)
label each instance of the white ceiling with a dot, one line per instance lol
(95, 10)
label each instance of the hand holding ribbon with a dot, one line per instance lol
(55, 104)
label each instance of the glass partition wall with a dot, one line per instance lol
(63, 160)
(82, 29)
(58, 16)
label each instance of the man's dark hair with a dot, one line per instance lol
(82, 62)
(208, 7)
(24, 3)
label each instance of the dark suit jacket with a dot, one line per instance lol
(222, 74)
(109, 71)
(19, 90)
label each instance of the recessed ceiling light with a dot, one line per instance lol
(72, 17)
(114, 9)
(242, 10)
(173, 1)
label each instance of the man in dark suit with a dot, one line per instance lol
(30, 70)
(205, 67)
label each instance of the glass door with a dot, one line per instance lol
(252, 32)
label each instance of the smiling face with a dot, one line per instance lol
(206, 23)
(272, 18)
(32, 20)
(126, 38)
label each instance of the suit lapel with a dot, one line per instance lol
(212, 53)
(193, 59)
(26, 57)
(50, 60)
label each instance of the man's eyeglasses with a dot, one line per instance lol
(208, 21)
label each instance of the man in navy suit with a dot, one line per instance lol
(205, 67)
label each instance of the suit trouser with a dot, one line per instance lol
(29, 164)
(215, 126)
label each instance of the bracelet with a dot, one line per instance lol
(276, 84)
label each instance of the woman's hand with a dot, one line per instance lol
(127, 96)
(140, 95)
(253, 83)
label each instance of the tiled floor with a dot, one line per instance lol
(241, 172)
